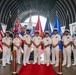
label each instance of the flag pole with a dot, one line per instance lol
(48, 14)
(56, 13)
(10, 15)
(60, 58)
(18, 14)
(14, 55)
(60, 64)
(15, 65)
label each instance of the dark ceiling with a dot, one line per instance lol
(41, 7)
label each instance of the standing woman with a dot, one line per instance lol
(17, 46)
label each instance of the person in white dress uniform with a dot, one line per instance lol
(55, 47)
(47, 43)
(27, 47)
(37, 40)
(17, 46)
(67, 42)
(74, 48)
(7, 42)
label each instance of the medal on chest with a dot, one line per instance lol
(56, 37)
(67, 37)
(47, 40)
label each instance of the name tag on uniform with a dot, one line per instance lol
(56, 37)
(67, 37)
(47, 40)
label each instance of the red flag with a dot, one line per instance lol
(1, 36)
(20, 31)
(18, 27)
(39, 27)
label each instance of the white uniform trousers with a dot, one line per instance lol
(55, 55)
(6, 55)
(26, 55)
(47, 55)
(67, 55)
(74, 53)
(37, 55)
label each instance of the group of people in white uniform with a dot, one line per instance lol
(38, 41)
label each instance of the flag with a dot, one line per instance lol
(20, 31)
(57, 25)
(9, 24)
(30, 27)
(1, 36)
(39, 27)
(67, 22)
(47, 26)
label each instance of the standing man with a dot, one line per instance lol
(74, 48)
(55, 47)
(27, 47)
(67, 41)
(17, 46)
(7, 42)
(47, 43)
(37, 40)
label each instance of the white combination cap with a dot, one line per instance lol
(46, 32)
(36, 31)
(67, 30)
(55, 29)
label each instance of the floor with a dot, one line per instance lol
(9, 68)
